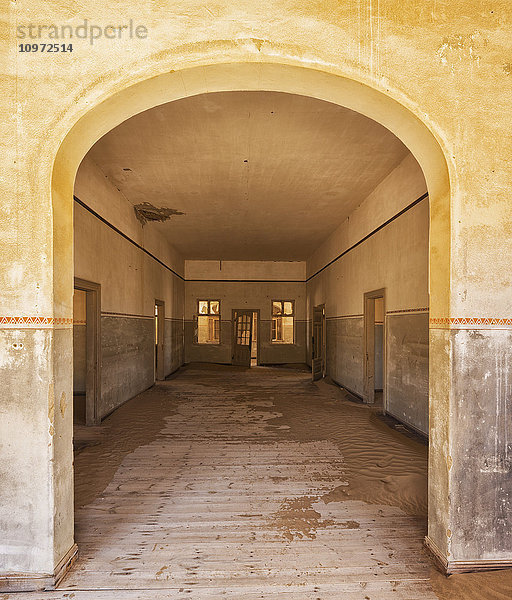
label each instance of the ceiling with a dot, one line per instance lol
(258, 175)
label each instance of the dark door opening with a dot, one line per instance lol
(86, 352)
(374, 355)
(159, 340)
(255, 339)
(379, 350)
(318, 343)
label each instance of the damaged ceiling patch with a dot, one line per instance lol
(147, 212)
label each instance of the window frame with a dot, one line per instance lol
(208, 314)
(272, 316)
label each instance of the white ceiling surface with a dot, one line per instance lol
(309, 164)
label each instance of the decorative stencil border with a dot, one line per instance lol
(469, 323)
(35, 322)
(15, 322)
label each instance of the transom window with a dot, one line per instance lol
(208, 321)
(283, 313)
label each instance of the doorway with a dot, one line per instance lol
(318, 343)
(255, 339)
(159, 340)
(374, 346)
(86, 352)
(245, 337)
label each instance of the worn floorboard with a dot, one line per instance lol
(222, 498)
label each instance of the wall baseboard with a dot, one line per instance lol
(437, 556)
(407, 424)
(31, 582)
(453, 567)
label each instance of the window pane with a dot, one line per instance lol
(203, 307)
(208, 330)
(288, 308)
(282, 330)
(287, 331)
(202, 330)
(214, 307)
(277, 308)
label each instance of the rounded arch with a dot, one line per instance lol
(249, 76)
(298, 79)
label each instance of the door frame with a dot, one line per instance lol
(160, 346)
(93, 348)
(258, 341)
(369, 346)
(324, 338)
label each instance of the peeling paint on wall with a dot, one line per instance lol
(51, 408)
(457, 47)
(147, 212)
(63, 404)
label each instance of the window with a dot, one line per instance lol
(208, 321)
(283, 312)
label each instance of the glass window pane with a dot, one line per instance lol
(203, 307)
(214, 307)
(208, 330)
(202, 330)
(287, 331)
(288, 308)
(282, 330)
(277, 308)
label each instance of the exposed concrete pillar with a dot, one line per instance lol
(36, 455)
(470, 482)
(471, 492)
(36, 496)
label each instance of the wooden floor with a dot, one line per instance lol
(200, 488)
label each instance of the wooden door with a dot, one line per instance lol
(318, 343)
(242, 337)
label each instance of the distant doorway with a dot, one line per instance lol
(86, 352)
(243, 321)
(374, 351)
(159, 340)
(255, 338)
(318, 343)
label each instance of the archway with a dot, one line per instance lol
(281, 78)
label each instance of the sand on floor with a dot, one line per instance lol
(381, 465)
